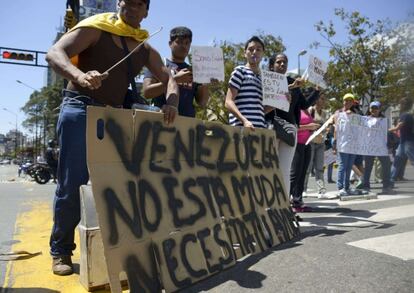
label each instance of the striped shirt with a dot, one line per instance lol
(249, 96)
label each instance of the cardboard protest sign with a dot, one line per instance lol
(316, 71)
(361, 135)
(208, 64)
(179, 203)
(275, 88)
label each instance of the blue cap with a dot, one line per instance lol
(375, 104)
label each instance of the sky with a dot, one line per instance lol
(33, 24)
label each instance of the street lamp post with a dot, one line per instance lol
(16, 133)
(26, 85)
(301, 53)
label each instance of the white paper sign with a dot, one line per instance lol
(316, 71)
(361, 135)
(319, 131)
(329, 157)
(275, 87)
(208, 63)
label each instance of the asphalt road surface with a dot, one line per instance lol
(344, 246)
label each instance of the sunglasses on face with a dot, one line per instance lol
(374, 108)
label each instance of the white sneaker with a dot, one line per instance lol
(343, 192)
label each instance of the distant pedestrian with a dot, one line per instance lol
(406, 147)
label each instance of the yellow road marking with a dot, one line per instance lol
(32, 230)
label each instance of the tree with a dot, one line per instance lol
(369, 63)
(233, 54)
(42, 112)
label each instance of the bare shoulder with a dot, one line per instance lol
(83, 34)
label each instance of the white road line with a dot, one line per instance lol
(328, 202)
(399, 245)
(360, 218)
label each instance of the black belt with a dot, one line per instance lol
(82, 98)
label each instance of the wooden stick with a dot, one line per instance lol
(129, 54)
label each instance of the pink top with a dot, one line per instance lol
(303, 135)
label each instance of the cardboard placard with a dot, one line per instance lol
(182, 201)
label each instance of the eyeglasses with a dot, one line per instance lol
(374, 108)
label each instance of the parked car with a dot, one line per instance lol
(5, 162)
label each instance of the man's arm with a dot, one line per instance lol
(202, 95)
(163, 74)
(152, 88)
(71, 44)
(397, 127)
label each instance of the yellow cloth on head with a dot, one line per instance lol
(112, 23)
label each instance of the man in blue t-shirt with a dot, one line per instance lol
(406, 147)
(180, 43)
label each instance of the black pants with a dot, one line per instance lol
(300, 164)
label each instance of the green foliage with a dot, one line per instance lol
(372, 62)
(233, 54)
(42, 109)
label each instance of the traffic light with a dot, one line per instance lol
(17, 56)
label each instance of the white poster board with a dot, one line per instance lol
(319, 131)
(316, 71)
(275, 87)
(361, 135)
(208, 64)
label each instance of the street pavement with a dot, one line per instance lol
(344, 246)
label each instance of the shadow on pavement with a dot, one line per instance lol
(250, 279)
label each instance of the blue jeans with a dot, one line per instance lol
(72, 173)
(385, 170)
(404, 150)
(344, 170)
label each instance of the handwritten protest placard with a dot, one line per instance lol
(208, 63)
(275, 88)
(316, 71)
(178, 203)
(361, 135)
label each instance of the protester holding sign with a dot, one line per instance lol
(320, 116)
(375, 112)
(97, 41)
(285, 123)
(244, 95)
(301, 161)
(180, 43)
(346, 160)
